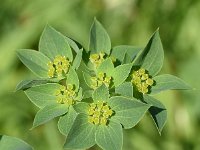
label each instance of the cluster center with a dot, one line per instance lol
(100, 79)
(66, 94)
(58, 66)
(97, 59)
(142, 80)
(99, 113)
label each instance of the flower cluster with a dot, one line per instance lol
(99, 113)
(66, 95)
(95, 100)
(97, 59)
(100, 79)
(59, 65)
(142, 80)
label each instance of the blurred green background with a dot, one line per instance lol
(127, 22)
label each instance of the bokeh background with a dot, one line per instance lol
(127, 22)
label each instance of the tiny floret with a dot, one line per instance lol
(142, 80)
(100, 79)
(97, 59)
(66, 94)
(99, 113)
(58, 66)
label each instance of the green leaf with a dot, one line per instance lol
(127, 59)
(43, 95)
(99, 39)
(157, 111)
(77, 59)
(81, 107)
(65, 122)
(132, 52)
(151, 58)
(73, 44)
(79, 95)
(120, 73)
(48, 113)
(35, 61)
(128, 111)
(87, 79)
(125, 89)
(119, 52)
(109, 137)
(168, 82)
(82, 134)
(72, 78)
(12, 143)
(53, 43)
(25, 84)
(88, 94)
(106, 67)
(101, 94)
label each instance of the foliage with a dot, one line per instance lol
(95, 91)
(12, 143)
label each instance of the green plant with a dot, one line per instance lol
(12, 143)
(96, 92)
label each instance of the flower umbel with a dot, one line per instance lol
(141, 80)
(66, 94)
(100, 79)
(59, 66)
(99, 113)
(97, 59)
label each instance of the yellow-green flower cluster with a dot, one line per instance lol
(59, 66)
(141, 80)
(99, 113)
(97, 59)
(66, 94)
(100, 79)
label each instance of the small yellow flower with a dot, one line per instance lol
(142, 80)
(100, 79)
(97, 59)
(90, 119)
(149, 82)
(103, 121)
(58, 66)
(99, 113)
(96, 120)
(66, 94)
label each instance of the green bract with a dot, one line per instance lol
(99, 91)
(12, 143)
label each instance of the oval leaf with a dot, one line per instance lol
(109, 137)
(120, 73)
(106, 67)
(72, 78)
(65, 122)
(43, 95)
(99, 39)
(101, 94)
(128, 111)
(12, 143)
(49, 112)
(82, 134)
(151, 58)
(168, 82)
(53, 43)
(35, 61)
(25, 84)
